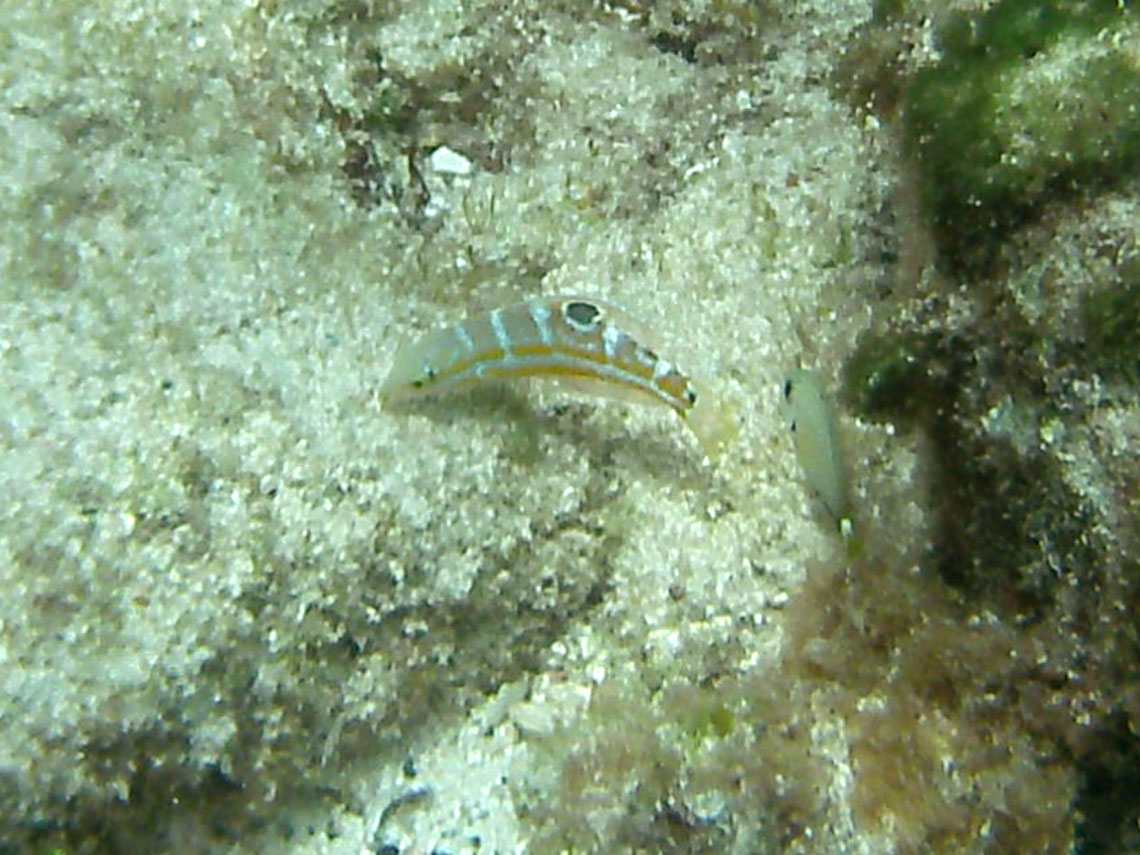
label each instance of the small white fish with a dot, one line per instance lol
(815, 431)
(578, 339)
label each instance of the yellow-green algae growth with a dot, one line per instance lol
(246, 611)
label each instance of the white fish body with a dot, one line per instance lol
(815, 432)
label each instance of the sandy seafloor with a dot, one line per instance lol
(245, 607)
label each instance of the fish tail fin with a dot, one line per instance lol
(713, 422)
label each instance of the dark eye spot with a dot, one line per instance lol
(583, 316)
(691, 397)
(787, 389)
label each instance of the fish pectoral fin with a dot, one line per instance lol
(713, 422)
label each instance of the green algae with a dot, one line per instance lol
(1030, 99)
(1111, 320)
(889, 377)
(1014, 30)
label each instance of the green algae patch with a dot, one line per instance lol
(1029, 100)
(1112, 329)
(897, 376)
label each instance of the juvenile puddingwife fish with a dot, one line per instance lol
(594, 346)
(815, 431)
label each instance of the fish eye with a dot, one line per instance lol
(581, 315)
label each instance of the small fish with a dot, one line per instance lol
(815, 430)
(594, 346)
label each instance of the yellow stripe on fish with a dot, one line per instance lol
(595, 346)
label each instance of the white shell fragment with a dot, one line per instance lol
(450, 162)
(815, 431)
